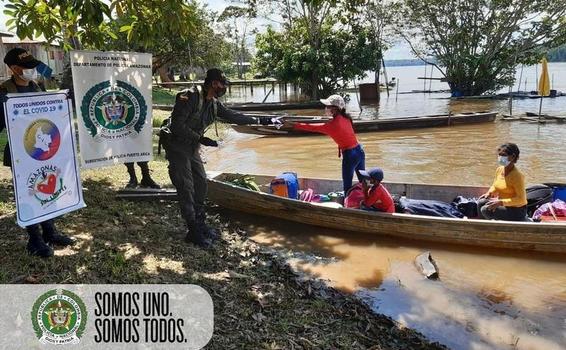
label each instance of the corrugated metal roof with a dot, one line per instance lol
(16, 40)
(5, 33)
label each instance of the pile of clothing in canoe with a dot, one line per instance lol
(545, 202)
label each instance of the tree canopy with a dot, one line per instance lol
(478, 44)
(316, 49)
(321, 44)
(558, 54)
(166, 28)
(88, 22)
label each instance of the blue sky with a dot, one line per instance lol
(399, 51)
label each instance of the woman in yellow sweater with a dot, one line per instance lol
(506, 199)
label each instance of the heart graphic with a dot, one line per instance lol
(48, 188)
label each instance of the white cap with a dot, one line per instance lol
(334, 100)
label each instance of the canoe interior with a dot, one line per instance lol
(547, 237)
(445, 193)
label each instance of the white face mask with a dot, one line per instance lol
(328, 112)
(29, 74)
(503, 160)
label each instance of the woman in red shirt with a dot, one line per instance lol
(341, 130)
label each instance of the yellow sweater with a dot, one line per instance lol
(511, 188)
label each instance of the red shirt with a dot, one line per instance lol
(380, 199)
(339, 128)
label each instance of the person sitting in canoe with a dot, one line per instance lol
(376, 196)
(506, 199)
(341, 129)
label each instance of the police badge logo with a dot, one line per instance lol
(59, 317)
(113, 111)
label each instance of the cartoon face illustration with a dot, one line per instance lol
(42, 140)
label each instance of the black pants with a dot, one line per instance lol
(143, 166)
(502, 212)
(47, 227)
(188, 175)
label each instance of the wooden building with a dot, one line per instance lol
(49, 54)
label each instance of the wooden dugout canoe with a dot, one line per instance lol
(380, 124)
(256, 106)
(547, 237)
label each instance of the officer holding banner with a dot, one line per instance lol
(194, 111)
(24, 75)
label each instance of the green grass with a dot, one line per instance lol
(258, 302)
(159, 116)
(163, 96)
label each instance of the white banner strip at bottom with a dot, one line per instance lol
(106, 316)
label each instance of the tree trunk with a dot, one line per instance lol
(314, 86)
(163, 72)
(67, 78)
(377, 77)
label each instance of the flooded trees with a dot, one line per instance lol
(477, 44)
(316, 49)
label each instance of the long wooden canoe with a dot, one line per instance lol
(268, 106)
(381, 124)
(548, 237)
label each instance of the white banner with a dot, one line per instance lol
(46, 177)
(105, 316)
(113, 101)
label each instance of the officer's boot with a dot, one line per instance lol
(196, 236)
(36, 246)
(133, 183)
(54, 237)
(146, 180)
(208, 231)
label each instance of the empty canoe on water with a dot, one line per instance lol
(380, 124)
(548, 237)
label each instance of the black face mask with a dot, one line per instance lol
(220, 91)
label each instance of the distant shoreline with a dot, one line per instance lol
(418, 62)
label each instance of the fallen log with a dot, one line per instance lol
(147, 194)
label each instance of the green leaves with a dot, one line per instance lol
(93, 21)
(341, 56)
(479, 43)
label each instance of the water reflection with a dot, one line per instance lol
(484, 298)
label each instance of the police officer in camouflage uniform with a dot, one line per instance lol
(22, 64)
(194, 111)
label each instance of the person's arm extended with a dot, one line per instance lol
(185, 104)
(322, 128)
(234, 117)
(520, 197)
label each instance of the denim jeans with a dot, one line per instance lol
(352, 160)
